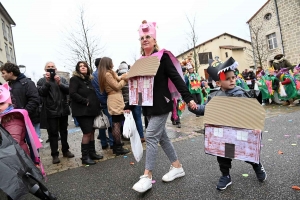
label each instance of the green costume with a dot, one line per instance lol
(263, 88)
(297, 82)
(273, 84)
(193, 82)
(290, 88)
(241, 83)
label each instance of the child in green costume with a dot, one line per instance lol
(193, 82)
(289, 86)
(261, 82)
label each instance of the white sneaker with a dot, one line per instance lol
(144, 184)
(263, 104)
(173, 174)
(41, 140)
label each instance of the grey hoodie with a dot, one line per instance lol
(235, 92)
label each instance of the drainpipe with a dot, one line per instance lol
(276, 8)
(13, 43)
(252, 47)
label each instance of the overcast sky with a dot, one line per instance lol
(42, 26)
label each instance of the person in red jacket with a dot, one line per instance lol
(13, 122)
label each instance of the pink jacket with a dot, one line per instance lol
(17, 129)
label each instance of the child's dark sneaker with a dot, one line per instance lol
(260, 172)
(224, 181)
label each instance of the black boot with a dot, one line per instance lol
(119, 150)
(85, 155)
(92, 152)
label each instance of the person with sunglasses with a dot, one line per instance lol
(168, 83)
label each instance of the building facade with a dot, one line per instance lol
(7, 48)
(276, 26)
(224, 46)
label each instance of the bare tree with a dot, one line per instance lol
(260, 50)
(134, 56)
(193, 39)
(82, 44)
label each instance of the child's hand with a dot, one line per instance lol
(192, 105)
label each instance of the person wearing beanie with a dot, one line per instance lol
(280, 62)
(102, 96)
(168, 84)
(225, 78)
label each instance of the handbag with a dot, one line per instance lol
(101, 121)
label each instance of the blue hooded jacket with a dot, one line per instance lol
(101, 96)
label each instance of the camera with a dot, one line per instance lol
(52, 73)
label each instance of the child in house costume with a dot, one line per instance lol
(225, 78)
(289, 86)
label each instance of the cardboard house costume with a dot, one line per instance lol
(233, 125)
(141, 80)
(236, 133)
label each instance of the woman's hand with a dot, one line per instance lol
(124, 76)
(192, 105)
(127, 111)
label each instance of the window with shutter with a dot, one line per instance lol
(203, 57)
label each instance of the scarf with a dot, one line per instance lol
(7, 110)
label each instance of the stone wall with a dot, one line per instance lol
(267, 27)
(290, 28)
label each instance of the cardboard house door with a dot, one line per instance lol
(206, 74)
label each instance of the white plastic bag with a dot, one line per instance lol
(282, 92)
(256, 86)
(136, 145)
(127, 127)
(130, 131)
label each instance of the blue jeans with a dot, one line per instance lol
(37, 129)
(137, 115)
(76, 122)
(102, 132)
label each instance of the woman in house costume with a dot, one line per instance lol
(167, 80)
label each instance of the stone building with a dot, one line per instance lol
(224, 46)
(7, 47)
(278, 24)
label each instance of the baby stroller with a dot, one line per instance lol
(19, 175)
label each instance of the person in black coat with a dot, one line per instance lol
(54, 90)
(24, 91)
(85, 107)
(25, 96)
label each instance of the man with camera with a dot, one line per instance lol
(54, 90)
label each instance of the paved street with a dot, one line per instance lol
(113, 178)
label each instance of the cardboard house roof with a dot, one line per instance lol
(144, 67)
(235, 112)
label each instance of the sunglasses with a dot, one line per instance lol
(146, 37)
